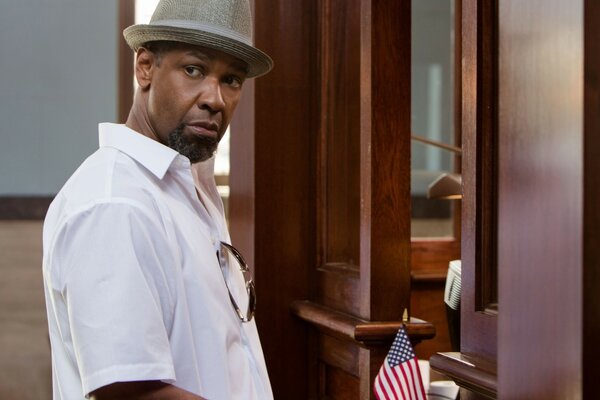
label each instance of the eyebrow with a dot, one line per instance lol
(239, 66)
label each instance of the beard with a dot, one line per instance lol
(195, 148)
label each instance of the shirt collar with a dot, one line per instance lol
(153, 155)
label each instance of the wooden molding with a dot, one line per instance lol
(24, 207)
(478, 243)
(433, 254)
(366, 333)
(468, 371)
(429, 276)
(591, 199)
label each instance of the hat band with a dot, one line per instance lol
(217, 30)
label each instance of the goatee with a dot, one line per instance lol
(196, 148)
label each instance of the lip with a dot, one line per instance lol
(205, 128)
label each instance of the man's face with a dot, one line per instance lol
(192, 94)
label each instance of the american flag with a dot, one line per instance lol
(399, 376)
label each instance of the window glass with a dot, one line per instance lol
(432, 113)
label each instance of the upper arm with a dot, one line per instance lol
(112, 261)
(127, 390)
(145, 390)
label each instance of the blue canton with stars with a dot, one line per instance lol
(401, 350)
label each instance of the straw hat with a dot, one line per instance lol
(224, 25)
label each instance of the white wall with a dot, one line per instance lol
(58, 79)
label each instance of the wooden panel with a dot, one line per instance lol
(486, 271)
(540, 199)
(286, 119)
(339, 385)
(385, 164)
(591, 200)
(340, 354)
(427, 301)
(241, 175)
(429, 267)
(364, 172)
(478, 328)
(339, 287)
(339, 174)
(364, 169)
(433, 255)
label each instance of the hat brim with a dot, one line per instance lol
(258, 62)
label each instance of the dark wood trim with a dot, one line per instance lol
(339, 287)
(385, 169)
(433, 254)
(468, 371)
(241, 175)
(456, 205)
(487, 156)
(278, 219)
(591, 199)
(338, 151)
(125, 62)
(478, 329)
(241, 172)
(429, 276)
(24, 207)
(366, 333)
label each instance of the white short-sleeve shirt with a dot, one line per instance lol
(133, 286)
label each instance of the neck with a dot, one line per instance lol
(138, 118)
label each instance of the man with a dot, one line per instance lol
(145, 295)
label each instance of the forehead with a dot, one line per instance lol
(207, 54)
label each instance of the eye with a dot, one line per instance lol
(233, 81)
(193, 71)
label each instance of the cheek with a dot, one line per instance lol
(232, 103)
(166, 108)
(158, 112)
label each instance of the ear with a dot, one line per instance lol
(144, 67)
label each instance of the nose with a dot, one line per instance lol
(211, 98)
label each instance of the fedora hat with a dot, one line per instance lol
(224, 25)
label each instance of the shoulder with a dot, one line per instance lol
(109, 173)
(108, 187)
(100, 234)
(107, 176)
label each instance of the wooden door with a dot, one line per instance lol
(531, 123)
(541, 191)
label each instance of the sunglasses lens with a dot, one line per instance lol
(240, 286)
